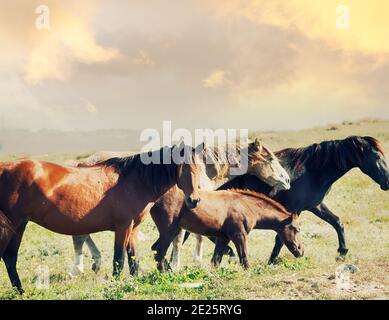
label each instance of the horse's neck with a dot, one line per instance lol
(269, 221)
(153, 190)
(327, 174)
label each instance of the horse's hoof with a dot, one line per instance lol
(96, 266)
(168, 268)
(175, 266)
(340, 258)
(75, 272)
(342, 254)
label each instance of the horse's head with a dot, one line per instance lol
(290, 236)
(190, 172)
(373, 162)
(265, 166)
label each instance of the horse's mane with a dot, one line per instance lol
(227, 155)
(263, 197)
(155, 175)
(338, 152)
(221, 157)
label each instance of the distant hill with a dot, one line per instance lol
(47, 141)
(17, 143)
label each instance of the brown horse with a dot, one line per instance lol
(111, 195)
(220, 160)
(230, 215)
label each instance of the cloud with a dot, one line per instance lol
(259, 64)
(50, 54)
(143, 59)
(318, 20)
(216, 79)
(90, 107)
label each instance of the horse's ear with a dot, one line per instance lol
(295, 217)
(258, 145)
(180, 148)
(200, 148)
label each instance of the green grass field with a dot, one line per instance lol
(360, 203)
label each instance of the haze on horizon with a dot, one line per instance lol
(216, 63)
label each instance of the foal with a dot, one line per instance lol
(230, 216)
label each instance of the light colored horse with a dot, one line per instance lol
(219, 160)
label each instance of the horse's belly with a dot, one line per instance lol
(73, 216)
(67, 225)
(199, 223)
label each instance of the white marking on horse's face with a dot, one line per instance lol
(205, 182)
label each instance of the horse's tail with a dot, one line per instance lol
(6, 232)
(186, 236)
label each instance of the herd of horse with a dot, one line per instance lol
(198, 194)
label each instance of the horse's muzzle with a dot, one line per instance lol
(384, 186)
(191, 203)
(299, 251)
(284, 183)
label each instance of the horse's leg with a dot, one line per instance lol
(96, 255)
(228, 251)
(276, 250)
(133, 262)
(176, 251)
(325, 214)
(78, 266)
(163, 244)
(220, 248)
(121, 235)
(198, 254)
(240, 242)
(10, 257)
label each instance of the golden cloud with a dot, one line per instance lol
(50, 53)
(216, 79)
(368, 24)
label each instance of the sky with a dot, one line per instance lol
(264, 65)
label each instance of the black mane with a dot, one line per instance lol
(155, 175)
(341, 153)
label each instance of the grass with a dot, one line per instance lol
(359, 202)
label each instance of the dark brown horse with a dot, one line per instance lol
(230, 216)
(111, 195)
(313, 170)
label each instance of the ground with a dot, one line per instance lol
(359, 202)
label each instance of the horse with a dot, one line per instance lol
(112, 195)
(230, 215)
(313, 170)
(219, 162)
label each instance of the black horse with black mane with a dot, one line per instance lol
(313, 170)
